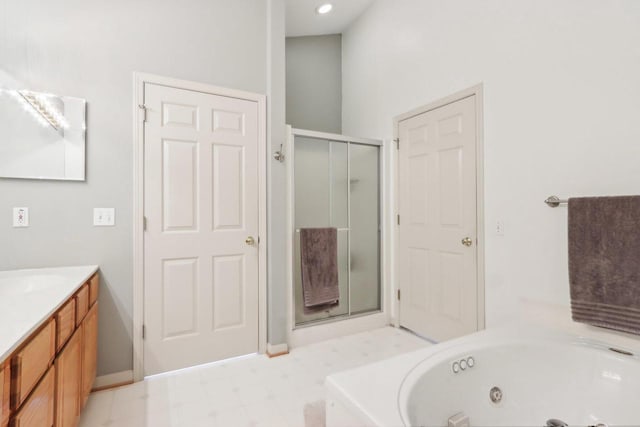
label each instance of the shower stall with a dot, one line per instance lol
(335, 182)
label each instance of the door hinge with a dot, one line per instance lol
(397, 141)
(398, 294)
(144, 112)
(144, 331)
(398, 219)
(144, 223)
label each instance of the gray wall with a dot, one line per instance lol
(90, 49)
(314, 82)
(277, 202)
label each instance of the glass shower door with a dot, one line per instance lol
(364, 228)
(336, 184)
(321, 200)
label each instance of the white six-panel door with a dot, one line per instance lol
(437, 232)
(202, 212)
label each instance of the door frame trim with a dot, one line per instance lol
(476, 90)
(139, 80)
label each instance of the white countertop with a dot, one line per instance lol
(29, 297)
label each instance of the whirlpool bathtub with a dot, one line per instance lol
(509, 377)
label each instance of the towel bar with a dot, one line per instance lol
(555, 201)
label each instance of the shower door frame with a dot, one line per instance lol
(343, 324)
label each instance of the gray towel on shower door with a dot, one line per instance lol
(319, 266)
(604, 261)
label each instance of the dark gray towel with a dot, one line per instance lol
(319, 258)
(604, 261)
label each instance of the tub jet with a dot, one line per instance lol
(495, 394)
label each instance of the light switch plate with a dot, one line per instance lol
(104, 217)
(499, 228)
(20, 217)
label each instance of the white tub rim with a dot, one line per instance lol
(518, 334)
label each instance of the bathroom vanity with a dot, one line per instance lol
(48, 345)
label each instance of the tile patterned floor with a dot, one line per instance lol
(251, 391)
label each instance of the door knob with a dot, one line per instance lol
(250, 241)
(467, 241)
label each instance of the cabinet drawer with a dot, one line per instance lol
(94, 284)
(29, 364)
(37, 411)
(82, 303)
(4, 393)
(65, 323)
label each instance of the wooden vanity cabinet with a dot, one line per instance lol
(47, 381)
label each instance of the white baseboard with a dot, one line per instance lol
(113, 379)
(313, 334)
(274, 349)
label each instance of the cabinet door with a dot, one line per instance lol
(89, 352)
(4, 394)
(37, 410)
(69, 382)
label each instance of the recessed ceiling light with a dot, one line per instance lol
(325, 8)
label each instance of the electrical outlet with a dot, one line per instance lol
(499, 228)
(104, 217)
(20, 217)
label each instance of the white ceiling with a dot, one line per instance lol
(302, 19)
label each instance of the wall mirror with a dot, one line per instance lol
(42, 136)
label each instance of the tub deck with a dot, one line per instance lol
(361, 397)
